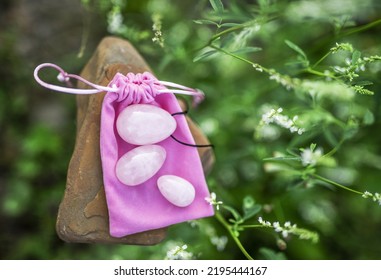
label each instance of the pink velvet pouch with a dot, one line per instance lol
(143, 207)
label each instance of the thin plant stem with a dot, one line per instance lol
(335, 149)
(317, 73)
(252, 226)
(222, 220)
(321, 59)
(335, 184)
(241, 59)
(229, 30)
(232, 54)
(360, 28)
(218, 35)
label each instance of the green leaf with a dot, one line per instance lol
(264, 3)
(247, 50)
(368, 117)
(230, 24)
(250, 212)
(204, 55)
(250, 208)
(313, 146)
(285, 158)
(269, 254)
(234, 212)
(206, 21)
(364, 83)
(217, 5)
(355, 57)
(296, 48)
(227, 40)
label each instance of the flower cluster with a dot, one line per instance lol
(288, 229)
(286, 81)
(156, 27)
(179, 253)
(376, 196)
(115, 20)
(219, 241)
(276, 116)
(212, 200)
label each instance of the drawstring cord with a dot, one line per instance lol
(138, 87)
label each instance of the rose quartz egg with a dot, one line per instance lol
(143, 124)
(140, 164)
(176, 190)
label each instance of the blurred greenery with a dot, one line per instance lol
(318, 60)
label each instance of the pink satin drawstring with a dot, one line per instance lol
(137, 88)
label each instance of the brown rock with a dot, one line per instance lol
(82, 215)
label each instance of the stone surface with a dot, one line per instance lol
(176, 190)
(140, 164)
(82, 215)
(142, 124)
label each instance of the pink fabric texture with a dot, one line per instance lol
(142, 207)
(134, 209)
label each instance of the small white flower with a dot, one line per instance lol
(301, 131)
(257, 67)
(179, 253)
(212, 200)
(340, 70)
(264, 223)
(377, 198)
(367, 194)
(311, 157)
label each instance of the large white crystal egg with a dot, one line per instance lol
(140, 164)
(143, 124)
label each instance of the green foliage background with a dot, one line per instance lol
(290, 37)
